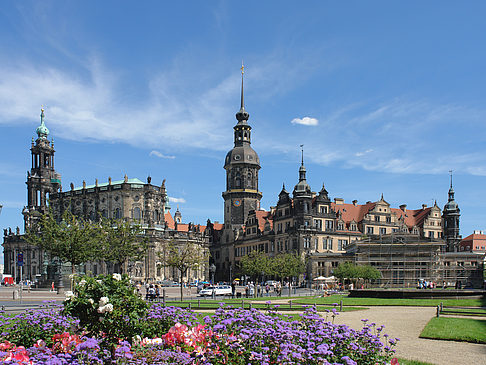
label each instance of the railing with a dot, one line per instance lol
(464, 311)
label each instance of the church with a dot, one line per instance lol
(129, 199)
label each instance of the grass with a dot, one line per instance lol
(214, 304)
(395, 302)
(412, 362)
(473, 312)
(456, 329)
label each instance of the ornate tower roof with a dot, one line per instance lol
(302, 186)
(42, 131)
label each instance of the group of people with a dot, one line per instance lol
(152, 292)
(259, 290)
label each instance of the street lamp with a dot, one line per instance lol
(212, 270)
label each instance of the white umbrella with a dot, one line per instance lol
(320, 278)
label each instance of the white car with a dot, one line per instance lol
(218, 290)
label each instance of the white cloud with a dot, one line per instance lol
(305, 121)
(176, 200)
(160, 155)
(362, 153)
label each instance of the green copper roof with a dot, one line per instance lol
(134, 181)
(42, 130)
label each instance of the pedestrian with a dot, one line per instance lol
(267, 289)
(157, 292)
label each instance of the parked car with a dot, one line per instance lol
(218, 290)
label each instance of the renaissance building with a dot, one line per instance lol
(404, 244)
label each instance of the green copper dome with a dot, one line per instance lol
(42, 130)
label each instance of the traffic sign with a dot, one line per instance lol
(20, 259)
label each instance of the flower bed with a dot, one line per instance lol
(168, 335)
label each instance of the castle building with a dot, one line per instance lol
(404, 244)
(131, 200)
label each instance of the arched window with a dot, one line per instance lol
(237, 181)
(249, 182)
(136, 213)
(117, 213)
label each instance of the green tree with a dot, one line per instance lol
(183, 257)
(348, 270)
(122, 241)
(286, 266)
(73, 239)
(254, 264)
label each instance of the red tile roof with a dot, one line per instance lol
(413, 217)
(261, 215)
(357, 212)
(169, 220)
(181, 227)
(351, 211)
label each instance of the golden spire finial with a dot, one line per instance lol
(242, 67)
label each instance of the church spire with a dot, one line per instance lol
(242, 115)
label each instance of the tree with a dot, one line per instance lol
(73, 239)
(122, 241)
(183, 257)
(287, 265)
(348, 270)
(255, 263)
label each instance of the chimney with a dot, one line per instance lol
(355, 202)
(403, 207)
(424, 206)
(339, 201)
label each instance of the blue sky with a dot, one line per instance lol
(387, 97)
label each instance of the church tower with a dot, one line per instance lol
(241, 165)
(42, 179)
(450, 217)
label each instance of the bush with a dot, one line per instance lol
(107, 307)
(27, 328)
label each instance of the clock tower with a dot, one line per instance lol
(241, 165)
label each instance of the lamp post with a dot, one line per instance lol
(212, 270)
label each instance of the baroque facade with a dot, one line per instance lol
(404, 244)
(132, 200)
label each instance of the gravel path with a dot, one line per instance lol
(406, 323)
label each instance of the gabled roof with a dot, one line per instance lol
(261, 215)
(351, 211)
(412, 217)
(473, 237)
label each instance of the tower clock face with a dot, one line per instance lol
(237, 202)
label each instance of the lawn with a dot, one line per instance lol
(238, 303)
(456, 329)
(412, 362)
(395, 302)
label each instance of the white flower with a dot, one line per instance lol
(103, 301)
(109, 308)
(91, 300)
(136, 339)
(69, 295)
(82, 282)
(101, 309)
(152, 341)
(99, 281)
(117, 277)
(71, 276)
